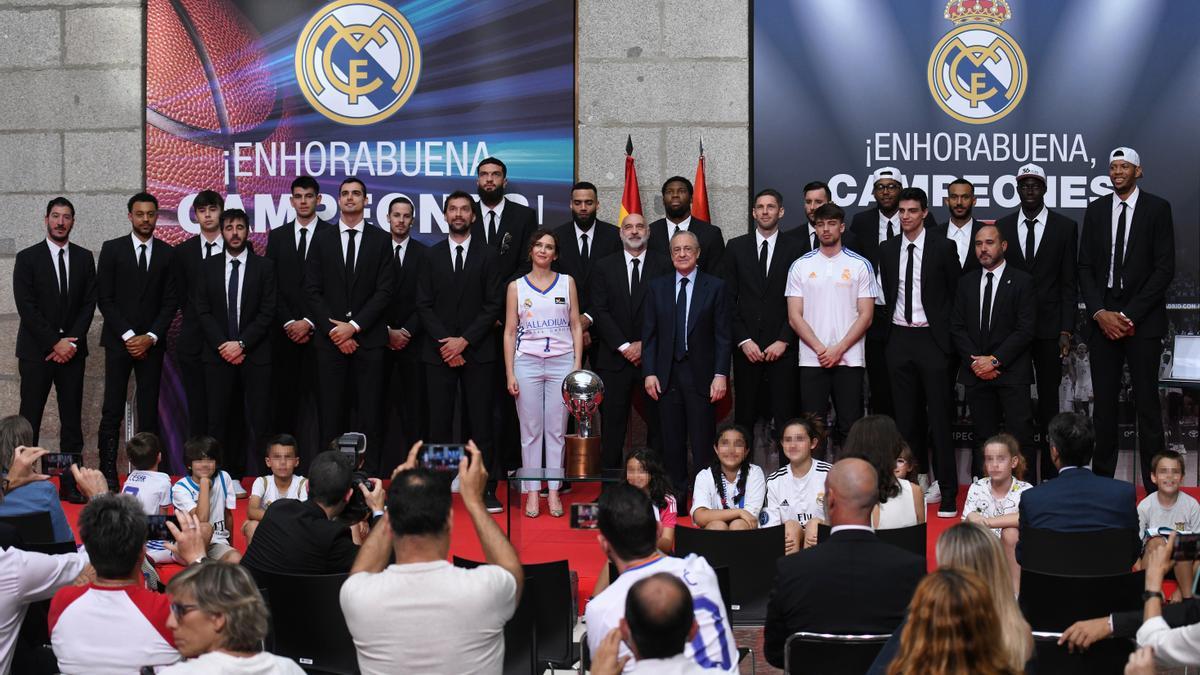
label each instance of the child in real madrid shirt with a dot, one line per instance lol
(796, 492)
(148, 485)
(207, 493)
(281, 483)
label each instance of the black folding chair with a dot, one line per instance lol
(32, 528)
(50, 548)
(307, 621)
(521, 631)
(1099, 552)
(553, 601)
(1052, 602)
(750, 556)
(911, 539)
(830, 654)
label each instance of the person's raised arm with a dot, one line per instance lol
(497, 549)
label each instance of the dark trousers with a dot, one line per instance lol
(686, 416)
(844, 384)
(878, 376)
(292, 380)
(764, 390)
(407, 406)
(917, 368)
(221, 380)
(118, 364)
(341, 377)
(192, 372)
(1142, 354)
(505, 429)
(1047, 368)
(621, 389)
(989, 402)
(479, 402)
(67, 379)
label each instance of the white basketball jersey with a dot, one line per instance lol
(544, 325)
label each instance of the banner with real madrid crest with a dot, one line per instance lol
(975, 89)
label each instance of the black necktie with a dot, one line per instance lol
(891, 230)
(636, 278)
(1119, 251)
(142, 265)
(458, 260)
(908, 286)
(399, 260)
(815, 243)
(492, 229)
(985, 314)
(762, 259)
(302, 249)
(350, 254)
(583, 248)
(681, 321)
(673, 234)
(1030, 250)
(208, 249)
(62, 288)
(232, 301)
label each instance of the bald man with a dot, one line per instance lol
(659, 621)
(853, 583)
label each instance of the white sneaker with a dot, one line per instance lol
(933, 494)
(947, 512)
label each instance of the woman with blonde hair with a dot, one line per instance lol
(952, 629)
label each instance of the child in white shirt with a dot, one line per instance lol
(1169, 507)
(207, 493)
(281, 483)
(796, 492)
(729, 494)
(994, 500)
(151, 487)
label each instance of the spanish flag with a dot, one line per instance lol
(700, 191)
(631, 198)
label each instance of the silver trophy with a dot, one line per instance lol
(582, 393)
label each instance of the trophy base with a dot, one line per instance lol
(582, 456)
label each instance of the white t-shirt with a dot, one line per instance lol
(110, 631)
(795, 498)
(605, 611)
(1184, 516)
(430, 618)
(544, 318)
(262, 663)
(831, 288)
(151, 488)
(980, 500)
(220, 497)
(705, 493)
(27, 577)
(264, 488)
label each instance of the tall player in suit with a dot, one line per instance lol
(992, 329)
(618, 294)
(288, 247)
(405, 372)
(135, 289)
(962, 226)
(920, 275)
(816, 195)
(459, 301)
(1126, 263)
(189, 257)
(54, 288)
(348, 280)
(235, 303)
(677, 203)
(686, 346)
(1043, 244)
(755, 269)
(583, 242)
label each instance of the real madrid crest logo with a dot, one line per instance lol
(977, 72)
(357, 61)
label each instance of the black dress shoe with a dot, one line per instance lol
(74, 496)
(492, 504)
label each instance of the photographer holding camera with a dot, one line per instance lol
(314, 536)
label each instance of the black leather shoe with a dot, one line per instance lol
(492, 504)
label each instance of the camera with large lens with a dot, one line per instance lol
(354, 445)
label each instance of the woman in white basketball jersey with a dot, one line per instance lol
(543, 343)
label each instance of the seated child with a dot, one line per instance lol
(906, 465)
(644, 471)
(207, 493)
(796, 492)
(994, 500)
(1169, 507)
(151, 487)
(729, 494)
(282, 483)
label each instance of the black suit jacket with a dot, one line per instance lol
(332, 296)
(255, 317)
(971, 263)
(603, 240)
(467, 306)
(708, 330)
(402, 312)
(712, 241)
(759, 305)
(1011, 331)
(35, 291)
(617, 314)
(131, 300)
(802, 238)
(1149, 264)
(517, 224)
(1053, 270)
(289, 269)
(865, 228)
(939, 281)
(298, 538)
(851, 583)
(189, 259)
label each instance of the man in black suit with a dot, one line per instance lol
(618, 293)
(685, 355)
(920, 274)
(593, 239)
(992, 327)
(755, 269)
(135, 289)
(851, 583)
(189, 257)
(816, 195)
(677, 203)
(459, 301)
(1126, 263)
(1044, 244)
(54, 288)
(288, 247)
(235, 303)
(962, 226)
(406, 375)
(348, 280)
(870, 229)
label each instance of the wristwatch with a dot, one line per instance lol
(1148, 595)
(995, 362)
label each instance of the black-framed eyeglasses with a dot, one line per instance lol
(179, 609)
(887, 187)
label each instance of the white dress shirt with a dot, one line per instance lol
(402, 247)
(343, 228)
(629, 258)
(217, 248)
(1116, 215)
(484, 210)
(591, 239)
(54, 249)
(1039, 231)
(241, 272)
(883, 225)
(691, 287)
(961, 236)
(684, 226)
(137, 252)
(311, 227)
(996, 275)
(758, 242)
(919, 320)
(466, 247)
